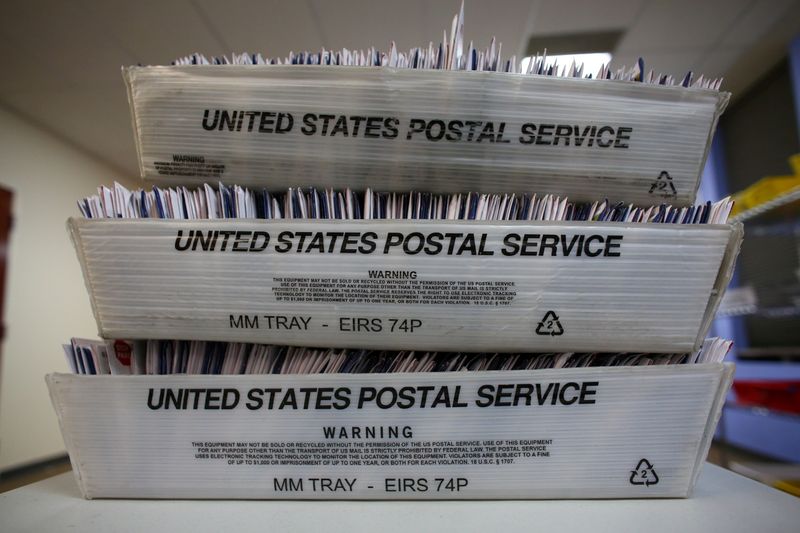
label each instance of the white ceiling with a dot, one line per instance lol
(62, 59)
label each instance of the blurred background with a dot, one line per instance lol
(65, 128)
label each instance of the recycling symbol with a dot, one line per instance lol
(663, 185)
(644, 474)
(550, 325)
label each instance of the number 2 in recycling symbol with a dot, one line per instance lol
(663, 185)
(550, 325)
(644, 474)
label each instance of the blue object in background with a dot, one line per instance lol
(763, 431)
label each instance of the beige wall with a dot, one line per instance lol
(46, 301)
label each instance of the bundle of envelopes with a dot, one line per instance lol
(429, 274)
(157, 357)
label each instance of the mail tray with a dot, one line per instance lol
(605, 432)
(410, 285)
(440, 131)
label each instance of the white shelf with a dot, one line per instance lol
(723, 501)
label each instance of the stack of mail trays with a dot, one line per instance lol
(529, 322)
